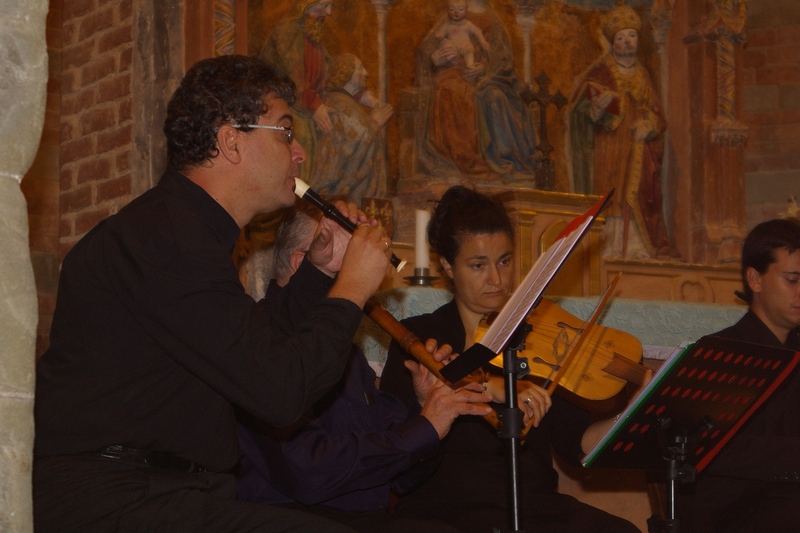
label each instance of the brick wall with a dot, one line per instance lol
(81, 173)
(96, 114)
(771, 109)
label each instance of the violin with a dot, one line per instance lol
(606, 360)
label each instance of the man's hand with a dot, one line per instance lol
(364, 265)
(330, 240)
(422, 377)
(443, 405)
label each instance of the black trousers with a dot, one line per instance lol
(377, 521)
(545, 512)
(91, 494)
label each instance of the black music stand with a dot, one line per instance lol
(690, 409)
(513, 368)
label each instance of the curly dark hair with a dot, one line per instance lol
(759, 247)
(463, 212)
(216, 91)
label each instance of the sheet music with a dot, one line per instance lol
(529, 291)
(634, 403)
(703, 393)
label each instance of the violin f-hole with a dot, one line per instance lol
(564, 325)
(541, 361)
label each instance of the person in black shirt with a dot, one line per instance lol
(473, 236)
(753, 484)
(154, 339)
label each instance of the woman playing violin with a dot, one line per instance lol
(473, 237)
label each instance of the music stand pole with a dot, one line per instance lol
(678, 471)
(511, 415)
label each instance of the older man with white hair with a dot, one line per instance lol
(345, 456)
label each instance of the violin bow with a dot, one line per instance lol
(577, 342)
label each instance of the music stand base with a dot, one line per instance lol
(678, 471)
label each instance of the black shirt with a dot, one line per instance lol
(154, 338)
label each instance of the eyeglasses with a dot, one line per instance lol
(288, 129)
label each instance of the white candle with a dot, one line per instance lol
(422, 258)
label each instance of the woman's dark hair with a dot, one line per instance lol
(463, 212)
(217, 91)
(759, 247)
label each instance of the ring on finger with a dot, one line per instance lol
(387, 243)
(528, 399)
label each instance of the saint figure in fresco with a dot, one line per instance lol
(295, 46)
(351, 157)
(472, 119)
(617, 128)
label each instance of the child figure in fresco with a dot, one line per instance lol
(458, 32)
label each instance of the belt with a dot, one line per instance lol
(150, 458)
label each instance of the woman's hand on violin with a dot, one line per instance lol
(533, 401)
(443, 405)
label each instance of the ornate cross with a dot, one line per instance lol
(545, 173)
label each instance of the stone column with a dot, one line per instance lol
(526, 20)
(158, 68)
(661, 22)
(23, 71)
(725, 220)
(710, 215)
(381, 10)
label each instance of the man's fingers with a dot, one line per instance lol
(413, 366)
(473, 386)
(478, 409)
(465, 395)
(441, 353)
(349, 209)
(431, 345)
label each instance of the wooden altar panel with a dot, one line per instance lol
(541, 215)
(653, 280)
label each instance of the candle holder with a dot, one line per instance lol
(421, 277)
